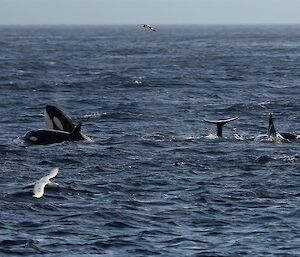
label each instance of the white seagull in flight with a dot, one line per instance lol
(39, 186)
(149, 27)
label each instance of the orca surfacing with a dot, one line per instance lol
(283, 136)
(51, 136)
(60, 128)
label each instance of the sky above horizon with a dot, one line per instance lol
(24, 12)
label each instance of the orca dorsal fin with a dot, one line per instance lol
(271, 128)
(77, 129)
(76, 134)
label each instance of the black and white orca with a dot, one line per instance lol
(220, 124)
(58, 120)
(273, 136)
(51, 136)
(60, 128)
(280, 137)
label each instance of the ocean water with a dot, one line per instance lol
(151, 183)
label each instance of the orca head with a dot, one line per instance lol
(58, 120)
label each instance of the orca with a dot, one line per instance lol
(273, 136)
(220, 124)
(279, 137)
(60, 128)
(57, 119)
(51, 136)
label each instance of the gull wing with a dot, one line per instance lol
(52, 174)
(39, 188)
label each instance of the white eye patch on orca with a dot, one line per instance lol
(33, 139)
(52, 123)
(57, 122)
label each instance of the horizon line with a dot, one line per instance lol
(157, 24)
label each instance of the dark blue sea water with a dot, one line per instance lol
(150, 183)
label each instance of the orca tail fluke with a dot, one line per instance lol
(220, 124)
(271, 128)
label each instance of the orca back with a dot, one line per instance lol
(46, 136)
(289, 136)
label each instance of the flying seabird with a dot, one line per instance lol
(39, 186)
(149, 27)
